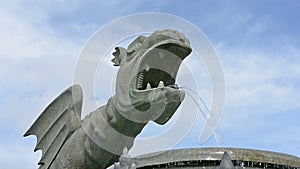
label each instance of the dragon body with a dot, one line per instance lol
(145, 91)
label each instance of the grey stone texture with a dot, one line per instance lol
(145, 91)
(177, 158)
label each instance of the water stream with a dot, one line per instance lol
(204, 110)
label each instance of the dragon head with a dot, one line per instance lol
(145, 85)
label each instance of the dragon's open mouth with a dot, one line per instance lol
(154, 78)
(159, 66)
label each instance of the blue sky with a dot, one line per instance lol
(257, 42)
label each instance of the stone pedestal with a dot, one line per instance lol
(211, 158)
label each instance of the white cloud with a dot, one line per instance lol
(261, 86)
(262, 80)
(36, 63)
(19, 40)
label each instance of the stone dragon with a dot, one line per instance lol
(145, 91)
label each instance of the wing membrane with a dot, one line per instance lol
(57, 122)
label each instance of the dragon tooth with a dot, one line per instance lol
(141, 77)
(148, 86)
(140, 80)
(139, 85)
(161, 84)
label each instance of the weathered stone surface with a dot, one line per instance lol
(226, 162)
(145, 91)
(195, 157)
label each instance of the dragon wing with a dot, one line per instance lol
(57, 122)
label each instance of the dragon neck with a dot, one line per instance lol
(120, 123)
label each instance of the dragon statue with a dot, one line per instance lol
(145, 91)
